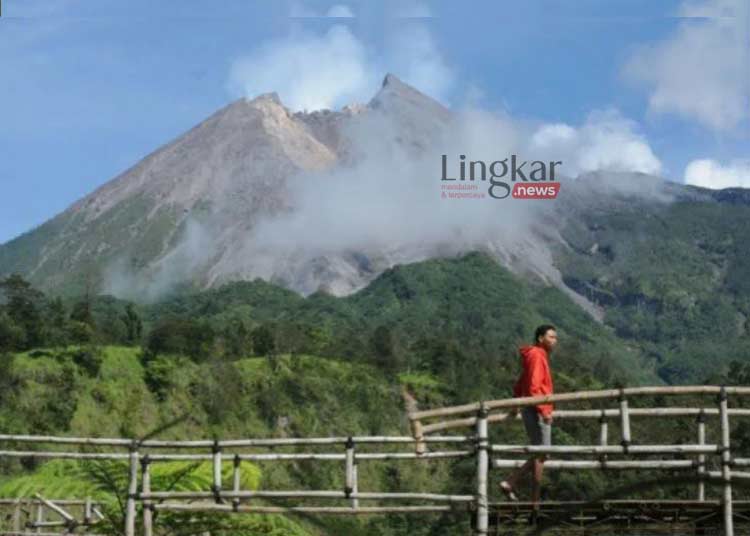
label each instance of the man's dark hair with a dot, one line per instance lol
(542, 330)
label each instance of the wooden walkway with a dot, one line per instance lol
(708, 461)
(605, 517)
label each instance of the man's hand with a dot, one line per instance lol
(547, 419)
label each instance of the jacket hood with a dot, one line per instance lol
(528, 348)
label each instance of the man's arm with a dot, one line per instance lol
(537, 374)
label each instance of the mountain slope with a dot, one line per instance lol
(307, 201)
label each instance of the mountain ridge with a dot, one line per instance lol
(188, 210)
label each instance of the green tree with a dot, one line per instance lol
(263, 340)
(23, 305)
(12, 336)
(384, 347)
(133, 324)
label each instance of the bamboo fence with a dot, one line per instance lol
(473, 420)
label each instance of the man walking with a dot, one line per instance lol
(535, 380)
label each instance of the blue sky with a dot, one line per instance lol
(89, 87)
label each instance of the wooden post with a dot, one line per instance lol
(355, 485)
(87, 511)
(17, 516)
(132, 492)
(624, 422)
(482, 522)
(603, 435)
(236, 481)
(39, 516)
(603, 432)
(148, 513)
(416, 430)
(350, 468)
(701, 457)
(726, 460)
(217, 471)
(410, 403)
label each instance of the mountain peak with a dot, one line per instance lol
(392, 80)
(401, 99)
(266, 97)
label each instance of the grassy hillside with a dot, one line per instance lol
(118, 391)
(674, 279)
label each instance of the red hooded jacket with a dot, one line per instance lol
(535, 380)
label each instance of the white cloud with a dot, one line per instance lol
(702, 71)
(605, 141)
(309, 72)
(324, 71)
(340, 11)
(712, 174)
(414, 54)
(300, 10)
(412, 10)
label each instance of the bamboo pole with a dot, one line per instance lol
(17, 516)
(735, 474)
(482, 521)
(609, 449)
(236, 480)
(701, 457)
(232, 443)
(580, 414)
(410, 402)
(63, 455)
(726, 460)
(55, 524)
(579, 396)
(601, 464)
(132, 493)
(55, 508)
(349, 468)
(336, 510)
(355, 486)
(12, 533)
(624, 422)
(216, 463)
(305, 494)
(317, 456)
(87, 511)
(146, 489)
(603, 432)
(417, 430)
(61, 502)
(39, 516)
(603, 435)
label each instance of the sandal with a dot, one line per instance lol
(506, 488)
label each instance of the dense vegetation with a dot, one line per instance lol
(674, 279)
(251, 359)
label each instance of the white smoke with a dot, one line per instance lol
(312, 71)
(387, 203)
(308, 71)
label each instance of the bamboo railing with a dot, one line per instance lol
(480, 414)
(474, 419)
(32, 516)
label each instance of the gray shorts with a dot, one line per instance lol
(539, 432)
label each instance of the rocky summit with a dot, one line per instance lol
(202, 210)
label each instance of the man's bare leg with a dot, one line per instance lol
(536, 481)
(516, 475)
